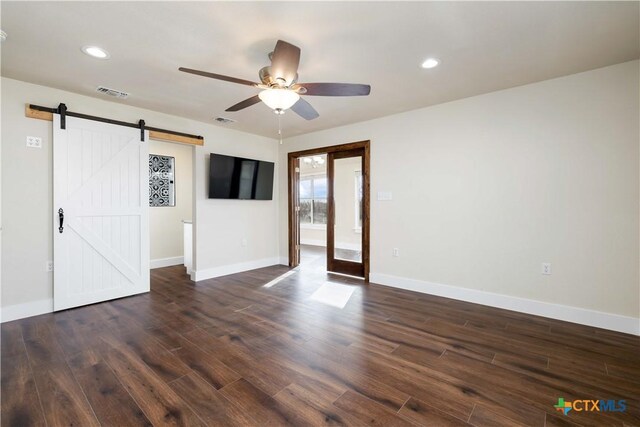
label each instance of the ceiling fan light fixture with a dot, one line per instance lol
(279, 99)
(279, 85)
(430, 63)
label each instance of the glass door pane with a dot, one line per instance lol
(347, 198)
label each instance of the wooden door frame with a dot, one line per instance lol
(366, 185)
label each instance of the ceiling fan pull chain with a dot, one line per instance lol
(280, 127)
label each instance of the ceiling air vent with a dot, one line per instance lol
(112, 92)
(224, 120)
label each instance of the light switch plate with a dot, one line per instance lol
(385, 195)
(34, 142)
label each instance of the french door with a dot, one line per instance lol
(294, 204)
(348, 186)
(345, 212)
(101, 215)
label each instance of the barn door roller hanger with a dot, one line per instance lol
(46, 113)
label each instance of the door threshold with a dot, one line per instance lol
(345, 275)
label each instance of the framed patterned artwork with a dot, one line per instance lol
(162, 187)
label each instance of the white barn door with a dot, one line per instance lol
(101, 197)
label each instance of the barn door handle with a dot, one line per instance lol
(61, 216)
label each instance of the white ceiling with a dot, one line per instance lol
(483, 46)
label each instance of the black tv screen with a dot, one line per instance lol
(239, 178)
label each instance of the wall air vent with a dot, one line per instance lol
(112, 92)
(224, 120)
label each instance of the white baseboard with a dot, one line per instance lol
(284, 260)
(339, 245)
(20, 311)
(225, 270)
(313, 242)
(349, 246)
(166, 262)
(599, 319)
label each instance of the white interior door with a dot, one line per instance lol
(101, 183)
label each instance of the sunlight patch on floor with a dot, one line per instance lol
(279, 279)
(333, 294)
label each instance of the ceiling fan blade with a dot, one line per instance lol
(305, 110)
(335, 89)
(244, 104)
(217, 76)
(285, 61)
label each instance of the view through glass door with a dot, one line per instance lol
(345, 212)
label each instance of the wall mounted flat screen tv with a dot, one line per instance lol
(239, 178)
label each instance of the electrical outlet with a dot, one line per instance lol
(244, 242)
(34, 142)
(546, 268)
(396, 252)
(48, 266)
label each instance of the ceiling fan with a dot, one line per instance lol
(280, 87)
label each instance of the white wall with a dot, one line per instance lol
(485, 189)
(165, 222)
(27, 200)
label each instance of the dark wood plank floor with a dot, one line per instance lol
(232, 351)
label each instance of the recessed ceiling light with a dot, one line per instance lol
(96, 52)
(430, 63)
